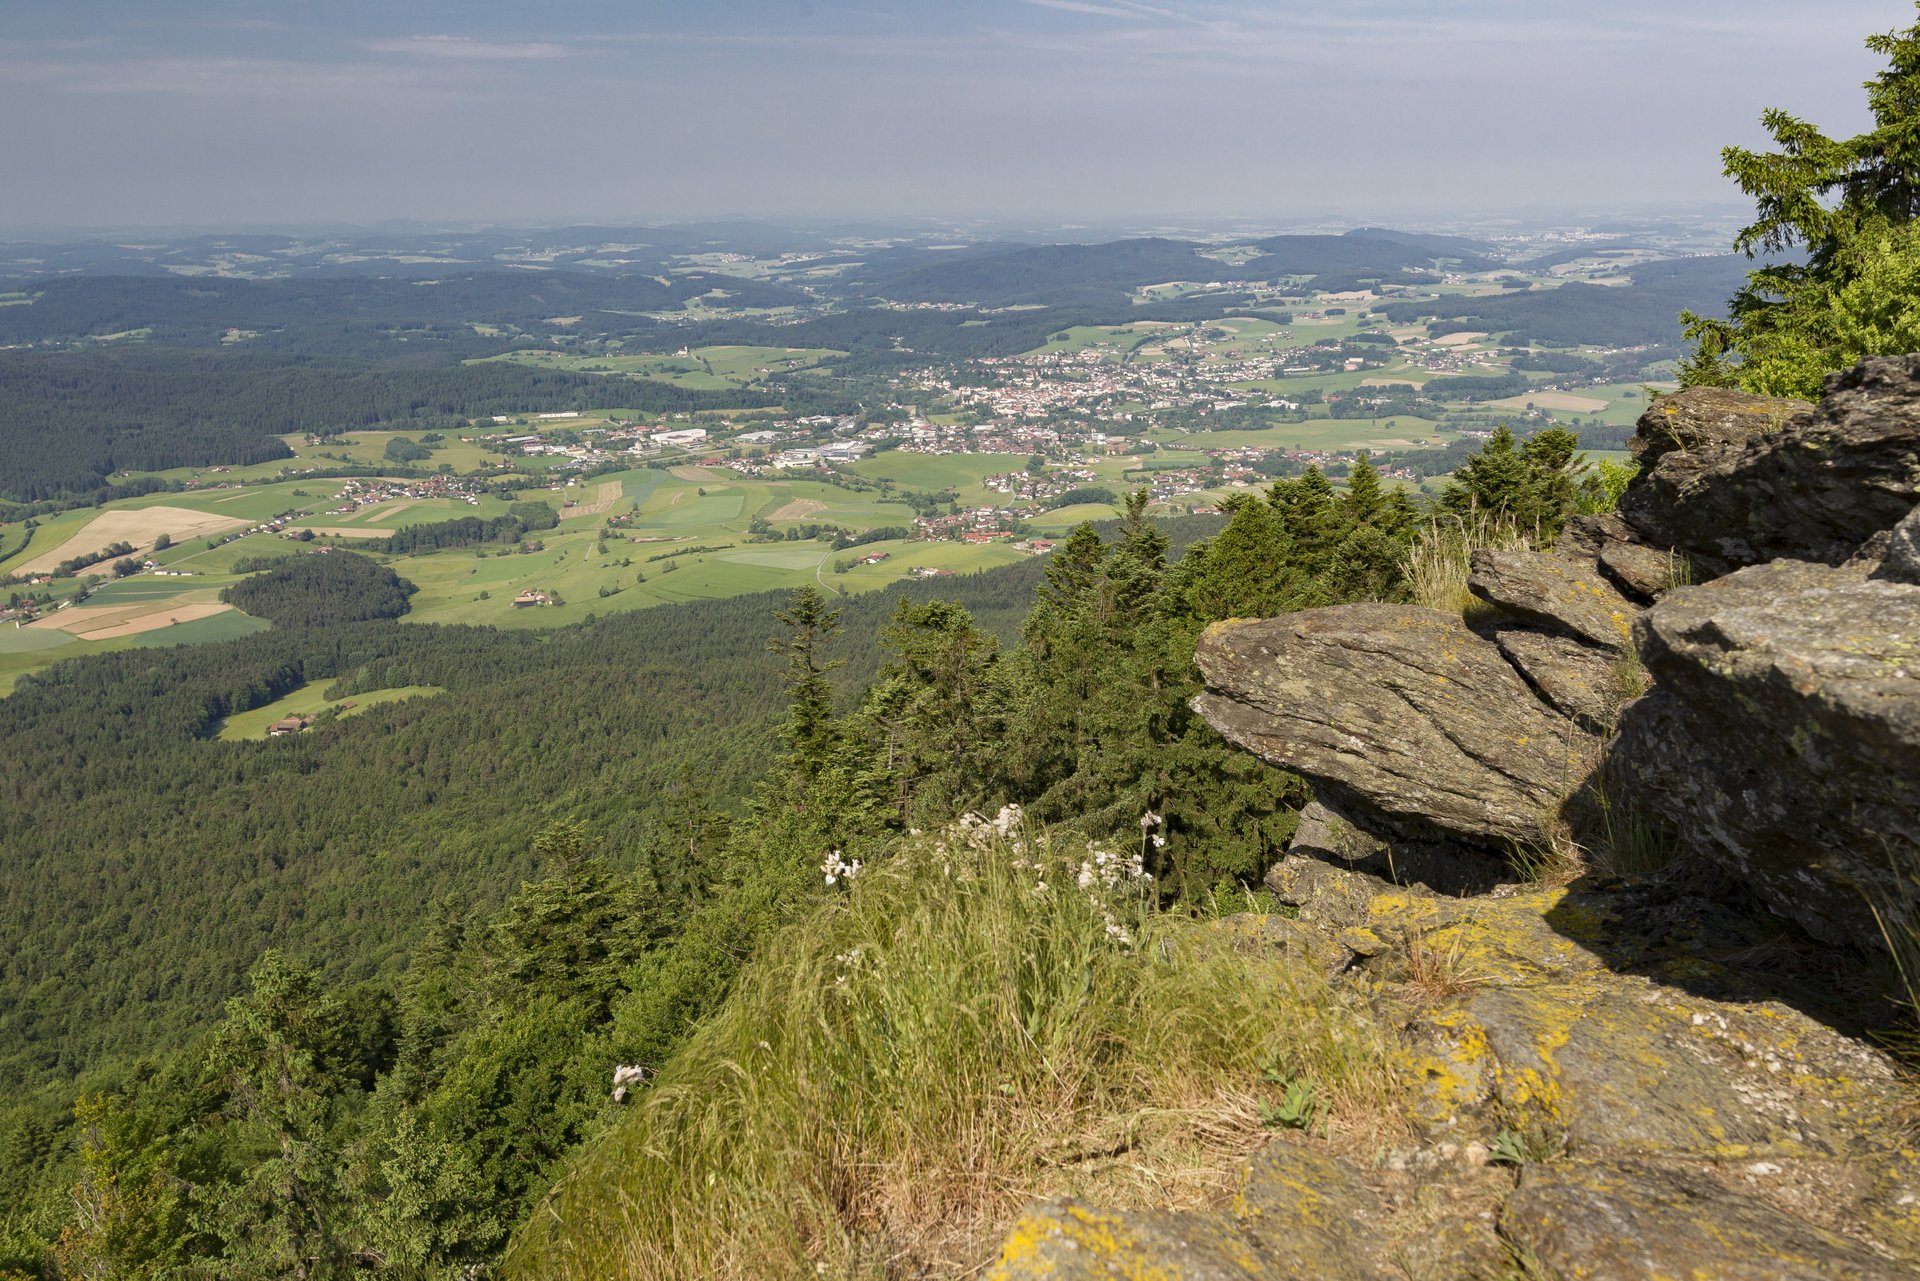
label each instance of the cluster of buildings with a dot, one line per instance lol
(357, 492)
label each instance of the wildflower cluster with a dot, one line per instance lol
(837, 869)
(1149, 821)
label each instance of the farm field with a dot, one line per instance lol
(311, 700)
(97, 530)
(26, 650)
(701, 369)
(678, 543)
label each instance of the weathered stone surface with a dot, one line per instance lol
(1554, 591)
(1642, 571)
(1066, 1241)
(1783, 735)
(1708, 422)
(1635, 567)
(1576, 679)
(1400, 716)
(1311, 1213)
(1637, 1221)
(1900, 562)
(1446, 867)
(1665, 1130)
(1589, 534)
(1808, 486)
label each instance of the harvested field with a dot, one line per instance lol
(1560, 400)
(157, 619)
(607, 495)
(689, 472)
(139, 526)
(100, 622)
(1459, 339)
(798, 509)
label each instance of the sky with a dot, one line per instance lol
(234, 113)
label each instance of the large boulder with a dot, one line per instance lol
(1783, 736)
(1575, 678)
(1558, 592)
(1401, 717)
(1737, 480)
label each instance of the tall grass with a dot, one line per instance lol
(1897, 910)
(967, 1029)
(1439, 561)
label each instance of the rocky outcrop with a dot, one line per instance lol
(1638, 1221)
(1576, 679)
(1900, 560)
(1556, 592)
(1563, 1112)
(1738, 480)
(1631, 1078)
(1783, 735)
(1403, 718)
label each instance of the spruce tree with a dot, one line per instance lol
(1851, 205)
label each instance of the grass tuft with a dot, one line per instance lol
(1439, 563)
(896, 1075)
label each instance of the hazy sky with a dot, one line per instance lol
(229, 112)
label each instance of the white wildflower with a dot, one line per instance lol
(1149, 821)
(1159, 841)
(836, 869)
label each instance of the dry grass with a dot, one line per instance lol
(1439, 563)
(898, 1074)
(1437, 973)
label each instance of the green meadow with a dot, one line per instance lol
(701, 369)
(311, 700)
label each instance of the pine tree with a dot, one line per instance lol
(1364, 503)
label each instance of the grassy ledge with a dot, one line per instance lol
(985, 1018)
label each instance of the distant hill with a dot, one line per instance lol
(1056, 275)
(201, 311)
(1644, 313)
(1072, 275)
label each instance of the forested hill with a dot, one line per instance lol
(149, 864)
(1639, 314)
(70, 419)
(200, 311)
(1080, 275)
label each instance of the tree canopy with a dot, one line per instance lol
(1849, 205)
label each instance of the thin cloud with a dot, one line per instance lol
(465, 48)
(1112, 8)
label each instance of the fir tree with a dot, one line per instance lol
(1851, 205)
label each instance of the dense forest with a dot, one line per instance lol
(661, 790)
(71, 419)
(201, 311)
(323, 588)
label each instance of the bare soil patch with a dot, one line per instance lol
(139, 526)
(1553, 400)
(798, 509)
